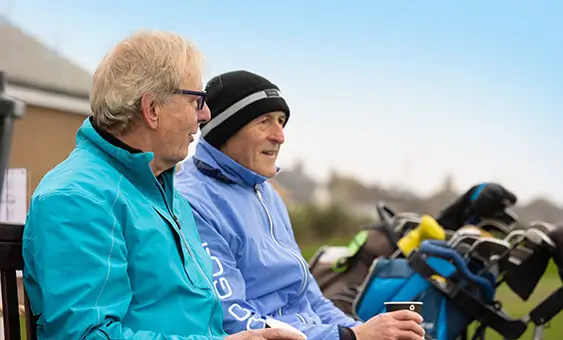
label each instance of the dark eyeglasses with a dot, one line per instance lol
(200, 94)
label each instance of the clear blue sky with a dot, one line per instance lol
(395, 92)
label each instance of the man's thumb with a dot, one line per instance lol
(281, 334)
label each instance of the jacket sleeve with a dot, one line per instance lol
(76, 268)
(325, 309)
(239, 313)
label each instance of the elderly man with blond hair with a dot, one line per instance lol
(110, 248)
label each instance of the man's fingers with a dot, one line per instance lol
(411, 326)
(407, 335)
(406, 315)
(280, 334)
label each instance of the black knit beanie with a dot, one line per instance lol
(236, 98)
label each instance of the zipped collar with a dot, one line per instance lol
(136, 163)
(220, 165)
(112, 139)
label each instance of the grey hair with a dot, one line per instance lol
(148, 62)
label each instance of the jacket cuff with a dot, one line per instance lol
(346, 333)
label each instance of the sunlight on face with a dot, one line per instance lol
(179, 123)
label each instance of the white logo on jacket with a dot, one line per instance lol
(222, 286)
(224, 291)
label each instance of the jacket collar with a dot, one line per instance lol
(112, 139)
(225, 166)
(136, 163)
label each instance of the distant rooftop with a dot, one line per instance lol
(29, 63)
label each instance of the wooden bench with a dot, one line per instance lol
(14, 300)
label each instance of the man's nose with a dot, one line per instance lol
(277, 134)
(204, 114)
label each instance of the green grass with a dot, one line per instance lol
(515, 307)
(512, 304)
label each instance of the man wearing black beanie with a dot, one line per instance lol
(259, 273)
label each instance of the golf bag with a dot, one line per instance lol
(340, 271)
(456, 280)
(395, 280)
(453, 294)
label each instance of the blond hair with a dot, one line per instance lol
(148, 62)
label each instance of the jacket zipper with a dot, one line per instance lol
(187, 245)
(201, 270)
(290, 252)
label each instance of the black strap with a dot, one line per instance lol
(548, 308)
(468, 303)
(346, 333)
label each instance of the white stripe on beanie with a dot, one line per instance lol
(236, 107)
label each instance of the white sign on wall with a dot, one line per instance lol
(13, 201)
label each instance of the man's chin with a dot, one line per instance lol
(270, 173)
(182, 155)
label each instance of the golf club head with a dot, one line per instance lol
(384, 212)
(556, 235)
(496, 228)
(529, 257)
(449, 234)
(404, 222)
(538, 232)
(463, 243)
(514, 236)
(487, 249)
(468, 230)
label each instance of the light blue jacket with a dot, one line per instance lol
(109, 254)
(258, 268)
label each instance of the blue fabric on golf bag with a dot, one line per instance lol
(394, 280)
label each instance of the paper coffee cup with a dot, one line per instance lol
(414, 306)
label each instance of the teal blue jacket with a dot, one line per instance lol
(110, 253)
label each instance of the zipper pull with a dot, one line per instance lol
(177, 222)
(257, 189)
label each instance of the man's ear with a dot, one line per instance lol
(150, 111)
